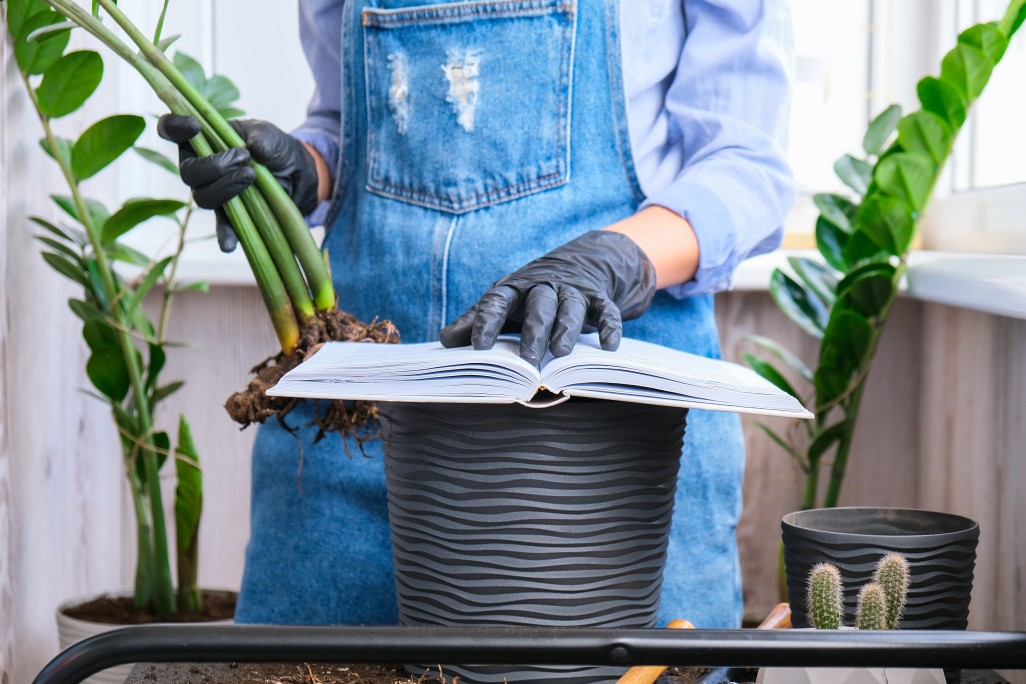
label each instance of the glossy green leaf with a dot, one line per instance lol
(191, 70)
(158, 357)
(98, 213)
(155, 273)
(135, 211)
(869, 289)
(860, 249)
(943, 99)
(855, 173)
(231, 113)
(927, 134)
(62, 248)
(789, 359)
(782, 443)
(162, 446)
(35, 57)
(968, 69)
(165, 391)
(47, 31)
(168, 41)
(106, 370)
(86, 311)
(880, 130)
(157, 158)
(827, 438)
(96, 285)
(986, 38)
(769, 372)
(103, 142)
(837, 209)
(63, 233)
(1012, 20)
(69, 82)
(888, 222)
(906, 176)
(799, 304)
(100, 334)
(831, 241)
(20, 13)
(63, 148)
(198, 286)
(66, 268)
(119, 251)
(845, 343)
(820, 279)
(220, 91)
(189, 493)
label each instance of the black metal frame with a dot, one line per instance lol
(541, 646)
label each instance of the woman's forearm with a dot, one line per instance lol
(667, 239)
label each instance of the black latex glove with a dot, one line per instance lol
(223, 175)
(593, 282)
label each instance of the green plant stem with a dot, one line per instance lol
(268, 281)
(292, 222)
(163, 589)
(169, 280)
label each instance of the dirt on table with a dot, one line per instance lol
(277, 673)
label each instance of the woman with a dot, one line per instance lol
(593, 167)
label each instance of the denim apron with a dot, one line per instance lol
(476, 136)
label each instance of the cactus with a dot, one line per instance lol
(892, 574)
(872, 608)
(825, 606)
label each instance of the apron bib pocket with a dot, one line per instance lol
(453, 125)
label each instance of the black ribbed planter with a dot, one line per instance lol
(507, 515)
(940, 548)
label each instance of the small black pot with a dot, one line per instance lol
(507, 515)
(940, 549)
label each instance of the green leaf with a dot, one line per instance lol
(157, 158)
(986, 38)
(100, 334)
(837, 209)
(134, 212)
(66, 268)
(158, 357)
(868, 289)
(855, 173)
(98, 213)
(106, 370)
(817, 277)
(825, 439)
(789, 359)
(96, 286)
(20, 13)
(86, 311)
(147, 283)
(798, 303)
(69, 82)
(906, 176)
(845, 343)
(35, 57)
(831, 241)
(189, 493)
(162, 446)
(198, 286)
(191, 70)
(860, 249)
(103, 142)
(968, 69)
(926, 134)
(62, 233)
(880, 130)
(767, 371)
(888, 222)
(46, 31)
(220, 91)
(63, 147)
(782, 443)
(165, 43)
(62, 248)
(119, 251)
(943, 99)
(165, 391)
(231, 113)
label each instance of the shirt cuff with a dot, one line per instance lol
(716, 233)
(328, 148)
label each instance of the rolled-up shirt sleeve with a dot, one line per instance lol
(320, 30)
(728, 107)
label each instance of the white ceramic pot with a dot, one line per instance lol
(72, 630)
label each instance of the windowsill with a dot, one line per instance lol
(992, 283)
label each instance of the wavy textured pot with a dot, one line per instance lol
(940, 548)
(507, 515)
(72, 630)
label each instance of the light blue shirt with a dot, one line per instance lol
(708, 104)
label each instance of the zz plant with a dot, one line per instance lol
(128, 348)
(864, 239)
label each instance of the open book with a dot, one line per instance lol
(638, 372)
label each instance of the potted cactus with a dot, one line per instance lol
(881, 602)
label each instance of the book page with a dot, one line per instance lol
(413, 372)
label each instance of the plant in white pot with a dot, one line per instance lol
(127, 345)
(880, 605)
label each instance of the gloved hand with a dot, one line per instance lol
(220, 177)
(595, 281)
